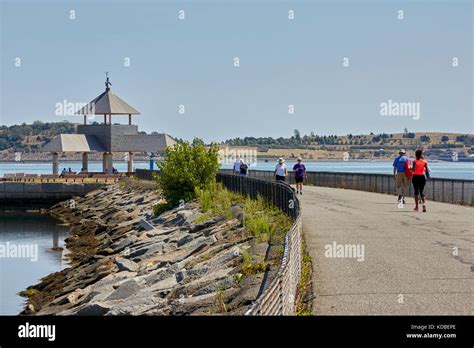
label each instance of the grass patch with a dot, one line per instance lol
(304, 296)
(160, 207)
(219, 300)
(216, 200)
(265, 222)
(261, 220)
(250, 267)
(202, 218)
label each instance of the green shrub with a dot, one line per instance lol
(187, 167)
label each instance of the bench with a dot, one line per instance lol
(74, 177)
(30, 177)
(48, 177)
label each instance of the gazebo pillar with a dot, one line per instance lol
(130, 162)
(104, 162)
(110, 163)
(85, 162)
(55, 163)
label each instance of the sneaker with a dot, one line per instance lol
(403, 200)
(415, 209)
(424, 209)
(301, 192)
(297, 191)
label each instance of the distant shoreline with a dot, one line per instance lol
(68, 160)
(267, 160)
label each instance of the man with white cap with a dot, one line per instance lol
(280, 170)
(401, 180)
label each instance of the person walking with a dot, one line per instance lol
(300, 171)
(419, 169)
(401, 181)
(280, 170)
(237, 164)
(244, 168)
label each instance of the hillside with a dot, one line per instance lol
(28, 138)
(363, 146)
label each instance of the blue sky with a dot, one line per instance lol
(282, 62)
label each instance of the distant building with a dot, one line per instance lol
(107, 137)
(453, 156)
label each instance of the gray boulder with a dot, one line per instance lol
(126, 265)
(145, 225)
(125, 290)
(96, 309)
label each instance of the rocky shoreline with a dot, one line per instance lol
(125, 261)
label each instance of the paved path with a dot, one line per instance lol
(409, 266)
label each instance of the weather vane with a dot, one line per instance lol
(107, 82)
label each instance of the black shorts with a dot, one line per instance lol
(280, 178)
(298, 179)
(419, 182)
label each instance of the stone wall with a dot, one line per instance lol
(37, 194)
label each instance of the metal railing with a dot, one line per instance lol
(279, 297)
(455, 191)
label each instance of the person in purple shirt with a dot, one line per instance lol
(300, 171)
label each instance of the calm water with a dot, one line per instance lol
(35, 234)
(451, 170)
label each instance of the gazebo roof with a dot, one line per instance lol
(107, 104)
(73, 143)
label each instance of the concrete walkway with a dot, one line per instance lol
(409, 265)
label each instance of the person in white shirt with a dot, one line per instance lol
(237, 164)
(280, 170)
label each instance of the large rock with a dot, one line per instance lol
(145, 225)
(126, 265)
(125, 243)
(184, 240)
(95, 309)
(137, 305)
(160, 274)
(125, 290)
(200, 226)
(145, 252)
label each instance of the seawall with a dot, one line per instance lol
(24, 195)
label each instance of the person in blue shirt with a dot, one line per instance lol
(401, 181)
